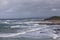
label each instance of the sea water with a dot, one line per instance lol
(26, 30)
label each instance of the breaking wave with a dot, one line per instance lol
(24, 32)
(16, 28)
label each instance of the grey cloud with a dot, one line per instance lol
(29, 8)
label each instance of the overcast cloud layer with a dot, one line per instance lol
(29, 8)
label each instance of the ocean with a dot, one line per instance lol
(27, 30)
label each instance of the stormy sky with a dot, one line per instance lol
(29, 8)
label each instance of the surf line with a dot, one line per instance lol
(20, 33)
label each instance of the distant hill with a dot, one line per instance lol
(53, 18)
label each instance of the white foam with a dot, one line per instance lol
(16, 26)
(16, 34)
(55, 36)
(20, 33)
(5, 22)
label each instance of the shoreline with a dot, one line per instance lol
(50, 22)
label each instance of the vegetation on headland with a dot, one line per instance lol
(53, 18)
